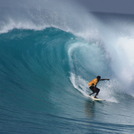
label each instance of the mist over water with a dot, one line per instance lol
(39, 15)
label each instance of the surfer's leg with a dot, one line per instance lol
(97, 90)
(91, 93)
(92, 89)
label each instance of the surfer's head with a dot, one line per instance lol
(98, 77)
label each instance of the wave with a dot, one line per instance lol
(110, 40)
(49, 53)
(53, 58)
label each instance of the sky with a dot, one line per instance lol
(109, 6)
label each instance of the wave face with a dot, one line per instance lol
(47, 57)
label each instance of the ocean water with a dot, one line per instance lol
(48, 56)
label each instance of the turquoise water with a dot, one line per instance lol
(38, 93)
(46, 64)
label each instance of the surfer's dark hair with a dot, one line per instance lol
(98, 77)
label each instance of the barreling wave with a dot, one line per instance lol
(98, 48)
(48, 54)
(52, 59)
(41, 71)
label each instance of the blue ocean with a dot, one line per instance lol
(49, 51)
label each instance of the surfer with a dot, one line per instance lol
(93, 85)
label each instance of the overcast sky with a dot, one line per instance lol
(113, 6)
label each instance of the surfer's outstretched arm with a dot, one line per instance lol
(104, 79)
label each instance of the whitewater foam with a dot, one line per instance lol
(108, 89)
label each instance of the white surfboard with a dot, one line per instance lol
(95, 99)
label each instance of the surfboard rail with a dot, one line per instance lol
(95, 99)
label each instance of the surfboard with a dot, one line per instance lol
(95, 99)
